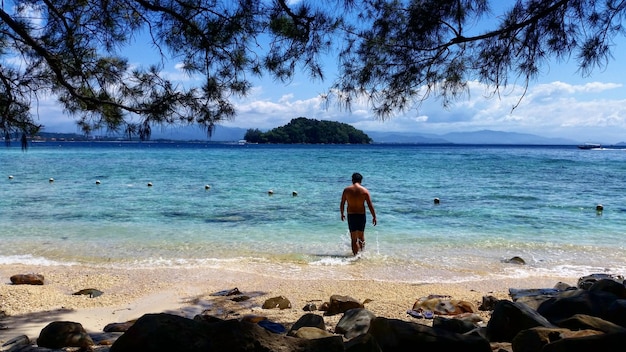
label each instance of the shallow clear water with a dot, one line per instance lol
(496, 202)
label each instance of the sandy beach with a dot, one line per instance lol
(130, 293)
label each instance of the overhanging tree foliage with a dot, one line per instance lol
(395, 54)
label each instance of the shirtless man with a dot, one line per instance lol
(356, 196)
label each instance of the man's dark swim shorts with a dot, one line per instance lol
(356, 222)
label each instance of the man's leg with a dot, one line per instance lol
(358, 241)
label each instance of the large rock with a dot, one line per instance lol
(612, 286)
(586, 282)
(310, 333)
(398, 336)
(459, 326)
(509, 318)
(568, 303)
(582, 322)
(616, 312)
(27, 279)
(362, 343)
(354, 322)
(614, 342)
(488, 303)
(309, 320)
(535, 339)
(166, 332)
(59, 334)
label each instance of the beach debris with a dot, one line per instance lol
(415, 314)
(280, 302)
(253, 318)
(27, 279)
(309, 307)
(119, 327)
(229, 292)
(340, 304)
(60, 334)
(91, 292)
(18, 343)
(271, 326)
(442, 305)
(240, 298)
(515, 260)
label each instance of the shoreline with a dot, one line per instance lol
(131, 293)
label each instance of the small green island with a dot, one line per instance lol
(303, 130)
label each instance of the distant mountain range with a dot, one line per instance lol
(477, 137)
(229, 134)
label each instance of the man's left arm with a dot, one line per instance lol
(370, 205)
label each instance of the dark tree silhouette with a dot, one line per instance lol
(395, 54)
(309, 131)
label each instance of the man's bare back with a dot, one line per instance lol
(356, 196)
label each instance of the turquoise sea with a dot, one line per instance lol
(536, 202)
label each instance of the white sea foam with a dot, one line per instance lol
(31, 260)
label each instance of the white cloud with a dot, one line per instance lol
(555, 109)
(580, 112)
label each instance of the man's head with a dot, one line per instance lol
(357, 178)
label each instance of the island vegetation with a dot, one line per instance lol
(302, 130)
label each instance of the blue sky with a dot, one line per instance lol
(560, 103)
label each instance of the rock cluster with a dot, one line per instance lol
(589, 316)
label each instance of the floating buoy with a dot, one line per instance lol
(51, 180)
(97, 182)
(270, 192)
(294, 193)
(436, 200)
(207, 187)
(149, 184)
(10, 177)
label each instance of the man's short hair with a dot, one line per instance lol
(357, 177)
